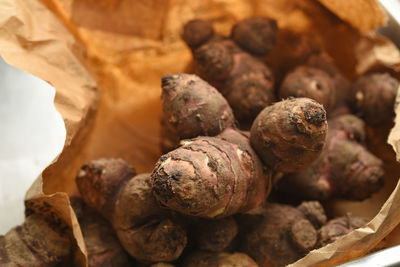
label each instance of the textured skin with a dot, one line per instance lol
(345, 169)
(339, 227)
(144, 229)
(210, 259)
(256, 35)
(374, 97)
(276, 235)
(214, 235)
(34, 243)
(210, 177)
(196, 32)
(314, 212)
(289, 134)
(310, 82)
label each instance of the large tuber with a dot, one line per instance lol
(289, 134)
(144, 229)
(211, 177)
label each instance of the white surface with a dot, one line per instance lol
(32, 134)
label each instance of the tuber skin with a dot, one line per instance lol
(339, 227)
(35, 243)
(256, 35)
(210, 177)
(146, 231)
(210, 259)
(196, 32)
(374, 98)
(192, 107)
(214, 235)
(277, 234)
(246, 82)
(289, 134)
(345, 169)
(310, 82)
(103, 247)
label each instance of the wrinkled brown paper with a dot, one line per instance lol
(106, 57)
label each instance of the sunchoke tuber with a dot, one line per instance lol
(144, 229)
(277, 234)
(289, 134)
(345, 168)
(211, 177)
(196, 32)
(210, 259)
(374, 97)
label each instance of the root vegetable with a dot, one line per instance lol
(290, 134)
(211, 177)
(196, 32)
(345, 169)
(209, 259)
(256, 35)
(374, 97)
(144, 229)
(35, 243)
(310, 82)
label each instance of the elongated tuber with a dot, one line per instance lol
(211, 177)
(339, 227)
(192, 107)
(289, 134)
(310, 82)
(345, 168)
(277, 234)
(144, 229)
(103, 247)
(210, 259)
(35, 243)
(374, 97)
(256, 35)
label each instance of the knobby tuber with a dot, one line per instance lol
(256, 35)
(345, 169)
(277, 234)
(289, 134)
(374, 97)
(312, 83)
(102, 245)
(146, 231)
(35, 243)
(338, 227)
(244, 80)
(210, 259)
(192, 107)
(211, 177)
(196, 32)
(214, 235)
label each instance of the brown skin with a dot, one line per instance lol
(210, 259)
(192, 107)
(102, 244)
(276, 234)
(310, 82)
(289, 134)
(256, 35)
(162, 264)
(339, 227)
(196, 32)
(314, 212)
(374, 97)
(146, 231)
(345, 169)
(201, 178)
(35, 243)
(214, 235)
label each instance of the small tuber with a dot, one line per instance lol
(196, 32)
(289, 134)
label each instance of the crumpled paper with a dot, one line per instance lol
(106, 57)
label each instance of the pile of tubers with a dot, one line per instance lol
(238, 147)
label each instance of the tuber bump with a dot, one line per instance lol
(196, 32)
(289, 134)
(211, 177)
(210, 259)
(145, 230)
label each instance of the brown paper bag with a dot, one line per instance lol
(106, 57)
